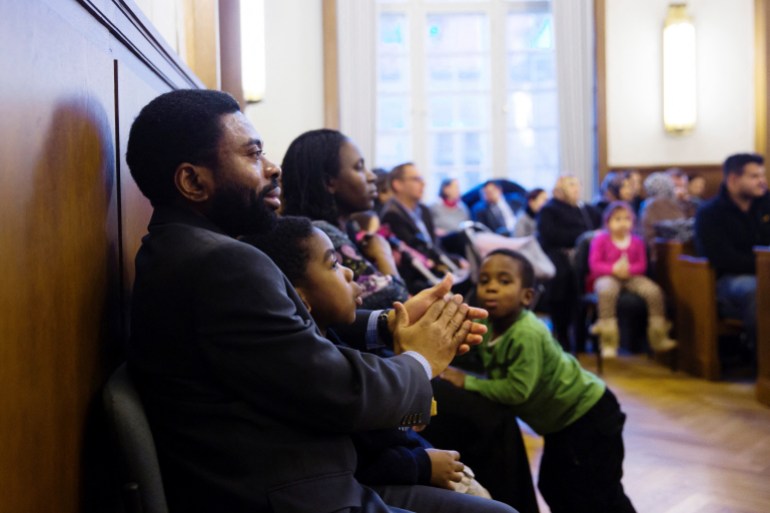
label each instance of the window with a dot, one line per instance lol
(467, 89)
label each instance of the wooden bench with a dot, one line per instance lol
(763, 324)
(699, 325)
(668, 252)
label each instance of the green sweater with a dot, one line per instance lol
(528, 370)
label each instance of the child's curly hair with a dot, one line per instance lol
(286, 245)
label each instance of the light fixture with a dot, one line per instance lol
(679, 83)
(253, 50)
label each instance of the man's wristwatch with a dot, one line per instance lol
(383, 330)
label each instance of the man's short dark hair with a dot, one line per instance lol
(176, 127)
(734, 164)
(286, 245)
(525, 266)
(398, 172)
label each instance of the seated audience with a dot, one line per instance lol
(493, 210)
(661, 205)
(384, 192)
(367, 221)
(728, 227)
(616, 186)
(398, 464)
(695, 189)
(408, 218)
(617, 260)
(560, 222)
(251, 409)
(526, 223)
(635, 179)
(326, 179)
(410, 221)
(450, 210)
(526, 369)
(681, 191)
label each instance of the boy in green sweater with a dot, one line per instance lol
(573, 409)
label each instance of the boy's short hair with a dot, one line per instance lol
(525, 266)
(286, 245)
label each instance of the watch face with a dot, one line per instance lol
(382, 323)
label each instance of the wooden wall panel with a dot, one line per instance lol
(67, 209)
(135, 88)
(58, 262)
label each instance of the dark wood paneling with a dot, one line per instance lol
(67, 207)
(57, 202)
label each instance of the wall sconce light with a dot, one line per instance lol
(253, 72)
(679, 87)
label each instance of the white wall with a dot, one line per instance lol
(725, 67)
(294, 88)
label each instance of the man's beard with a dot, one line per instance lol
(239, 210)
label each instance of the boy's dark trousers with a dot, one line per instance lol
(582, 465)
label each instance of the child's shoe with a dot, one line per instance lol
(657, 335)
(609, 336)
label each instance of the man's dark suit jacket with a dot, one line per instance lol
(483, 213)
(395, 215)
(251, 408)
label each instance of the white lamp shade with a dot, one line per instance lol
(679, 73)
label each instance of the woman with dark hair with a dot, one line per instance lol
(450, 210)
(526, 223)
(616, 186)
(326, 179)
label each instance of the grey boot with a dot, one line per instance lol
(657, 335)
(609, 336)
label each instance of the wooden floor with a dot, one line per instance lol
(691, 445)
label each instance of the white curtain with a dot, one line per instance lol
(574, 40)
(356, 40)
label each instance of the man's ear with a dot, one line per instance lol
(194, 183)
(527, 295)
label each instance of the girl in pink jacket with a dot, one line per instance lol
(617, 260)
